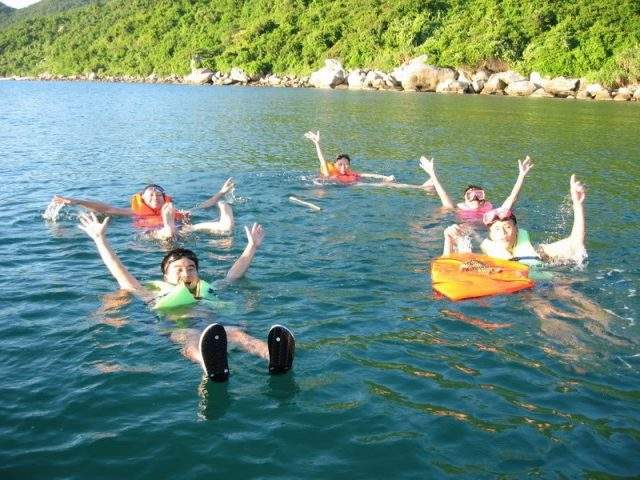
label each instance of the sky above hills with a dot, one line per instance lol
(19, 3)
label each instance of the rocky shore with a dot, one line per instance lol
(414, 75)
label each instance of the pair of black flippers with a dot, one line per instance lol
(213, 349)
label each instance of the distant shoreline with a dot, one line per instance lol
(501, 87)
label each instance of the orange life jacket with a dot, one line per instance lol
(147, 216)
(348, 177)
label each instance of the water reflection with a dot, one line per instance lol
(282, 387)
(214, 399)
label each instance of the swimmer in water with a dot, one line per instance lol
(154, 210)
(340, 169)
(507, 242)
(180, 267)
(474, 203)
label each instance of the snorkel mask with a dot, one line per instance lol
(474, 194)
(496, 214)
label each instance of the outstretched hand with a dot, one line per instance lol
(60, 200)
(524, 166)
(255, 235)
(92, 227)
(227, 186)
(427, 165)
(578, 192)
(313, 136)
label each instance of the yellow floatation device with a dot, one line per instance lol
(469, 275)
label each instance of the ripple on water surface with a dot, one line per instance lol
(388, 380)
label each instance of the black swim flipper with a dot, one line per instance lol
(282, 347)
(213, 350)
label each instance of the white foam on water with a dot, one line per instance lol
(581, 258)
(464, 244)
(52, 212)
(631, 320)
(230, 196)
(626, 364)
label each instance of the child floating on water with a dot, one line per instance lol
(180, 271)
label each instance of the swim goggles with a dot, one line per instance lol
(153, 186)
(474, 194)
(497, 214)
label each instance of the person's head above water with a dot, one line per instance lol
(180, 265)
(502, 225)
(342, 163)
(154, 196)
(474, 196)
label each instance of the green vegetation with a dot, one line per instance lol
(42, 8)
(591, 38)
(5, 13)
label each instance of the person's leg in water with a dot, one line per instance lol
(596, 319)
(563, 325)
(222, 226)
(553, 325)
(190, 339)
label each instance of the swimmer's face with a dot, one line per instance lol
(474, 198)
(153, 197)
(504, 231)
(182, 271)
(473, 204)
(342, 165)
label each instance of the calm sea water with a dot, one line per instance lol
(388, 381)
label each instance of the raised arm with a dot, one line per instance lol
(572, 247)
(97, 231)
(429, 167)
(315, 138)
(227, 186)
(523, 168)
(96, 206)
(255, 235)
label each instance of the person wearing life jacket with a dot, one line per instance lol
(153, 209)
(147, 207)
(507, 242)
(181, 286)
(340, 169)
(474, 203)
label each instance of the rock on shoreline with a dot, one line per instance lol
(415, 75)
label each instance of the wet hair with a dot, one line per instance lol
(472, 187)
(177, 254)
(343, 155)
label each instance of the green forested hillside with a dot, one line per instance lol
(42, 8)
(592, 38)
(5, 12)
